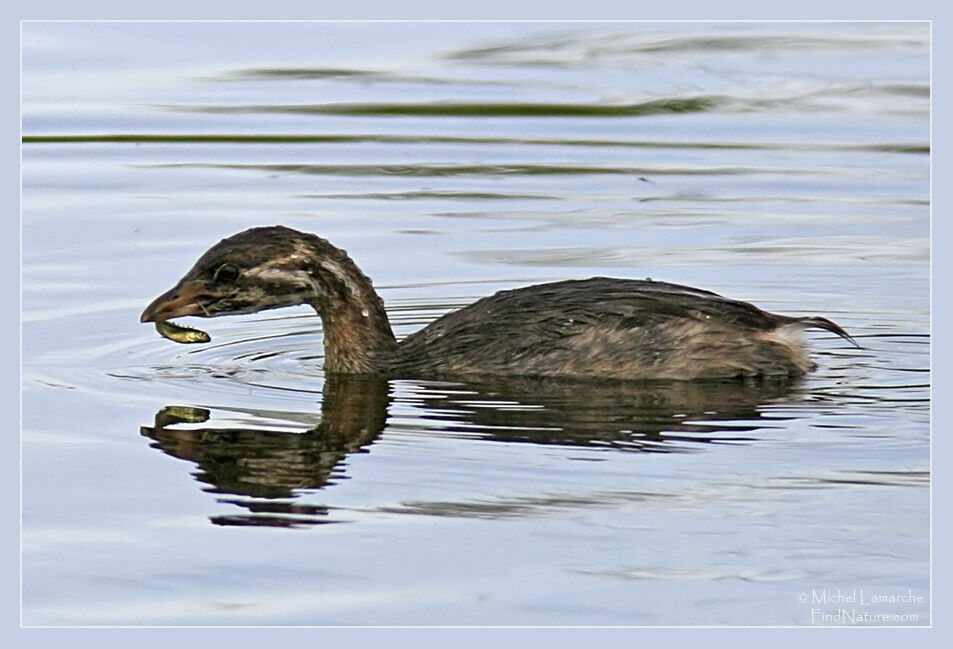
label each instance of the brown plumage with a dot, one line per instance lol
(594, 328)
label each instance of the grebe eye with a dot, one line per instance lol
(226, 273)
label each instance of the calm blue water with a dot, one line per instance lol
(231, 484)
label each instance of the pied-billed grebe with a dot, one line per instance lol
(593, 328)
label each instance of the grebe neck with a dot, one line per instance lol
(357, 333)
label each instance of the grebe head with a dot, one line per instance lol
(271, 267)
(258, 269)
